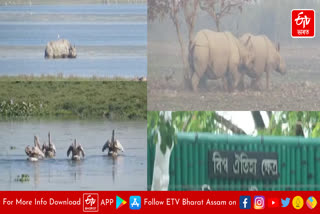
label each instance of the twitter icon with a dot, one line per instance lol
(285, 203)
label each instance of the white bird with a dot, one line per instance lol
(34, 152)
(113, 145)
(49, 150)
(77, 151)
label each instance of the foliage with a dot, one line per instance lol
(182, 121)
(119, 100)
(22, 178)
(282, 123)
(288, 123)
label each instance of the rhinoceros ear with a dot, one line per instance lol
(278, 47)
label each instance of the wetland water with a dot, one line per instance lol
(96, 172)
(110, 39)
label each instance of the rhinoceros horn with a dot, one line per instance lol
(247, 40)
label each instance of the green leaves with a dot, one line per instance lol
(123, 100)
(165, 128)
(181, 121)
(291, 123)
(282, 123)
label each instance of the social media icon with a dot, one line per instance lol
(285, 203)
(273, 202)
(297, 202)
(311, 202)
(258, 202)
(245, 202)
(135, 202)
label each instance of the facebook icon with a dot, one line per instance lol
(245, 202)
(135, 202)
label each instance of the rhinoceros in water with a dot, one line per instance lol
(60, 49)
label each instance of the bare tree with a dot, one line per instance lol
(172, 8)
(218, 9)
(186, 10)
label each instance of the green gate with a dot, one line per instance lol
(298, 162)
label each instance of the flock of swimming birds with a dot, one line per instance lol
(49, 150)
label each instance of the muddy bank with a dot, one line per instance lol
(288, 96)
(297, 90)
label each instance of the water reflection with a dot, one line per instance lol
(97, 171)
(76, 173)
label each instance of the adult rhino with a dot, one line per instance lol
(60, 49)
(266, 58)
(215, 55)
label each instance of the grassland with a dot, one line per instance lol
(79, 98)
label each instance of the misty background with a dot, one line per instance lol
(269, 17)
(294, 91)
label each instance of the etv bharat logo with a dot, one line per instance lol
(90, 202)
(303, 23)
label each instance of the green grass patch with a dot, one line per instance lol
(116, 100)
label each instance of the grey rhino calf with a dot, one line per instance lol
(215, 55)
(266, 58)
(60, 49)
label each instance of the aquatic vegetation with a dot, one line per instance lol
(116, 100)
(20, 108)
(22, 178)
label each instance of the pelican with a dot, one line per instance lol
(34, 152)
(114, 146)
(49, 150)
(76, 150)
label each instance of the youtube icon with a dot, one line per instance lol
(273, 202)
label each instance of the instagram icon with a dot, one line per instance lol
(258, 202)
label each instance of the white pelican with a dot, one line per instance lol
(114, 146)
(77, 151)
(49, 150)
(34, 152)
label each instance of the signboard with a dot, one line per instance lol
(243, 165)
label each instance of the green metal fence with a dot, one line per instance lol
(298, 162)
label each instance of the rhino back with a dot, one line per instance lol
(234, 49)
(220, 53)
(57, 49)
(260, 51)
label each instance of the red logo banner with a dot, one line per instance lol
(157, 202)
(303, 23)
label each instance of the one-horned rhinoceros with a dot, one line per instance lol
(60, 49)
(266, 58)
(215, 55)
